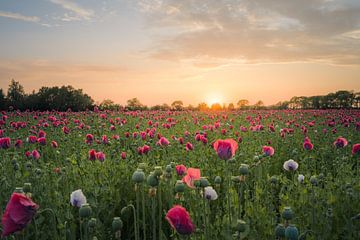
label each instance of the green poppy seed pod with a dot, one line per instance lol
(256, 158)
(291, 233)
(313, 180)
(179, 187)
(158, 171)
(28, 165)
(235, 179)
(240, 225)
(321, 176)
(138, 176)
(244, 169)
(173, 165)
(38, 171)
(117, 224)
(152, 180)
(27, 187)
(280, 231)
(19, 190)
(274, 180)
(168, 169)
(16, 166)
(287, 213)
(125, 212)
(197, 183)
(85, 211)
(217, 180)
(92, 223)
(142, 166)
(204, 182)
(329, 213)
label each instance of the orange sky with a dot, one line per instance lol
(194, 51)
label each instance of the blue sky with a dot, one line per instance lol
(163, 50)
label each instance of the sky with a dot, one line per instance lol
(190, 50)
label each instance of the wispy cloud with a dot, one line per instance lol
(255, 31)
(19, 16)
(81, 12)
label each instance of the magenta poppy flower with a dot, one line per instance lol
(89, 138)
(92, 155)
(180, 220)
(340, 142)
(180, 170)
(163, 141)
(18, 213)
(225, 149)
(5, 142)
(356, 149)
(41, 141)
(35, 154)
(268, 150)
(123, 155)
(100, 156)
(308, 146)
(54, 144)
(18, 143)
(189, 146)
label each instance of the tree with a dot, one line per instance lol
(231, 107)
(242, 103)
(2, 100)
(177, 105)
(134, 104)
(108, 104)
(16, 95)
(259, 104)
(202, 107)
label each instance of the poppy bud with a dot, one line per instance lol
(244, 169)
(138, 176)
(168, 169)
(158, 171)
(217, 180)
(280, 231)
(117, 224)
(287, 213)
(85, 211)
(152, 180)
(240, 225)
(313, 180)
(179, 186)
(291, 233)
(197, 183)
(92, 223)
(204, 182)
(27, 187)
(274, 180)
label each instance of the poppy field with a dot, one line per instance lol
(272, 174)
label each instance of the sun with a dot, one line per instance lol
(214, 98)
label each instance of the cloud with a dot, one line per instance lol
(255, 31)
(19, 16)
(80, 12)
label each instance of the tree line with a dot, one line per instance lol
(67, 97)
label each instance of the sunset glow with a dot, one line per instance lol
(166, 50)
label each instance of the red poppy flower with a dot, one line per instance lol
(180, 220)
(356, 149)
(18, 213)
(192, 175)
(268, 150)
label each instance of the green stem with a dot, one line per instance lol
(229, 196)
(160, 212)
(135, 222)
(143, 214)
(137, 209)
(153, 216)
